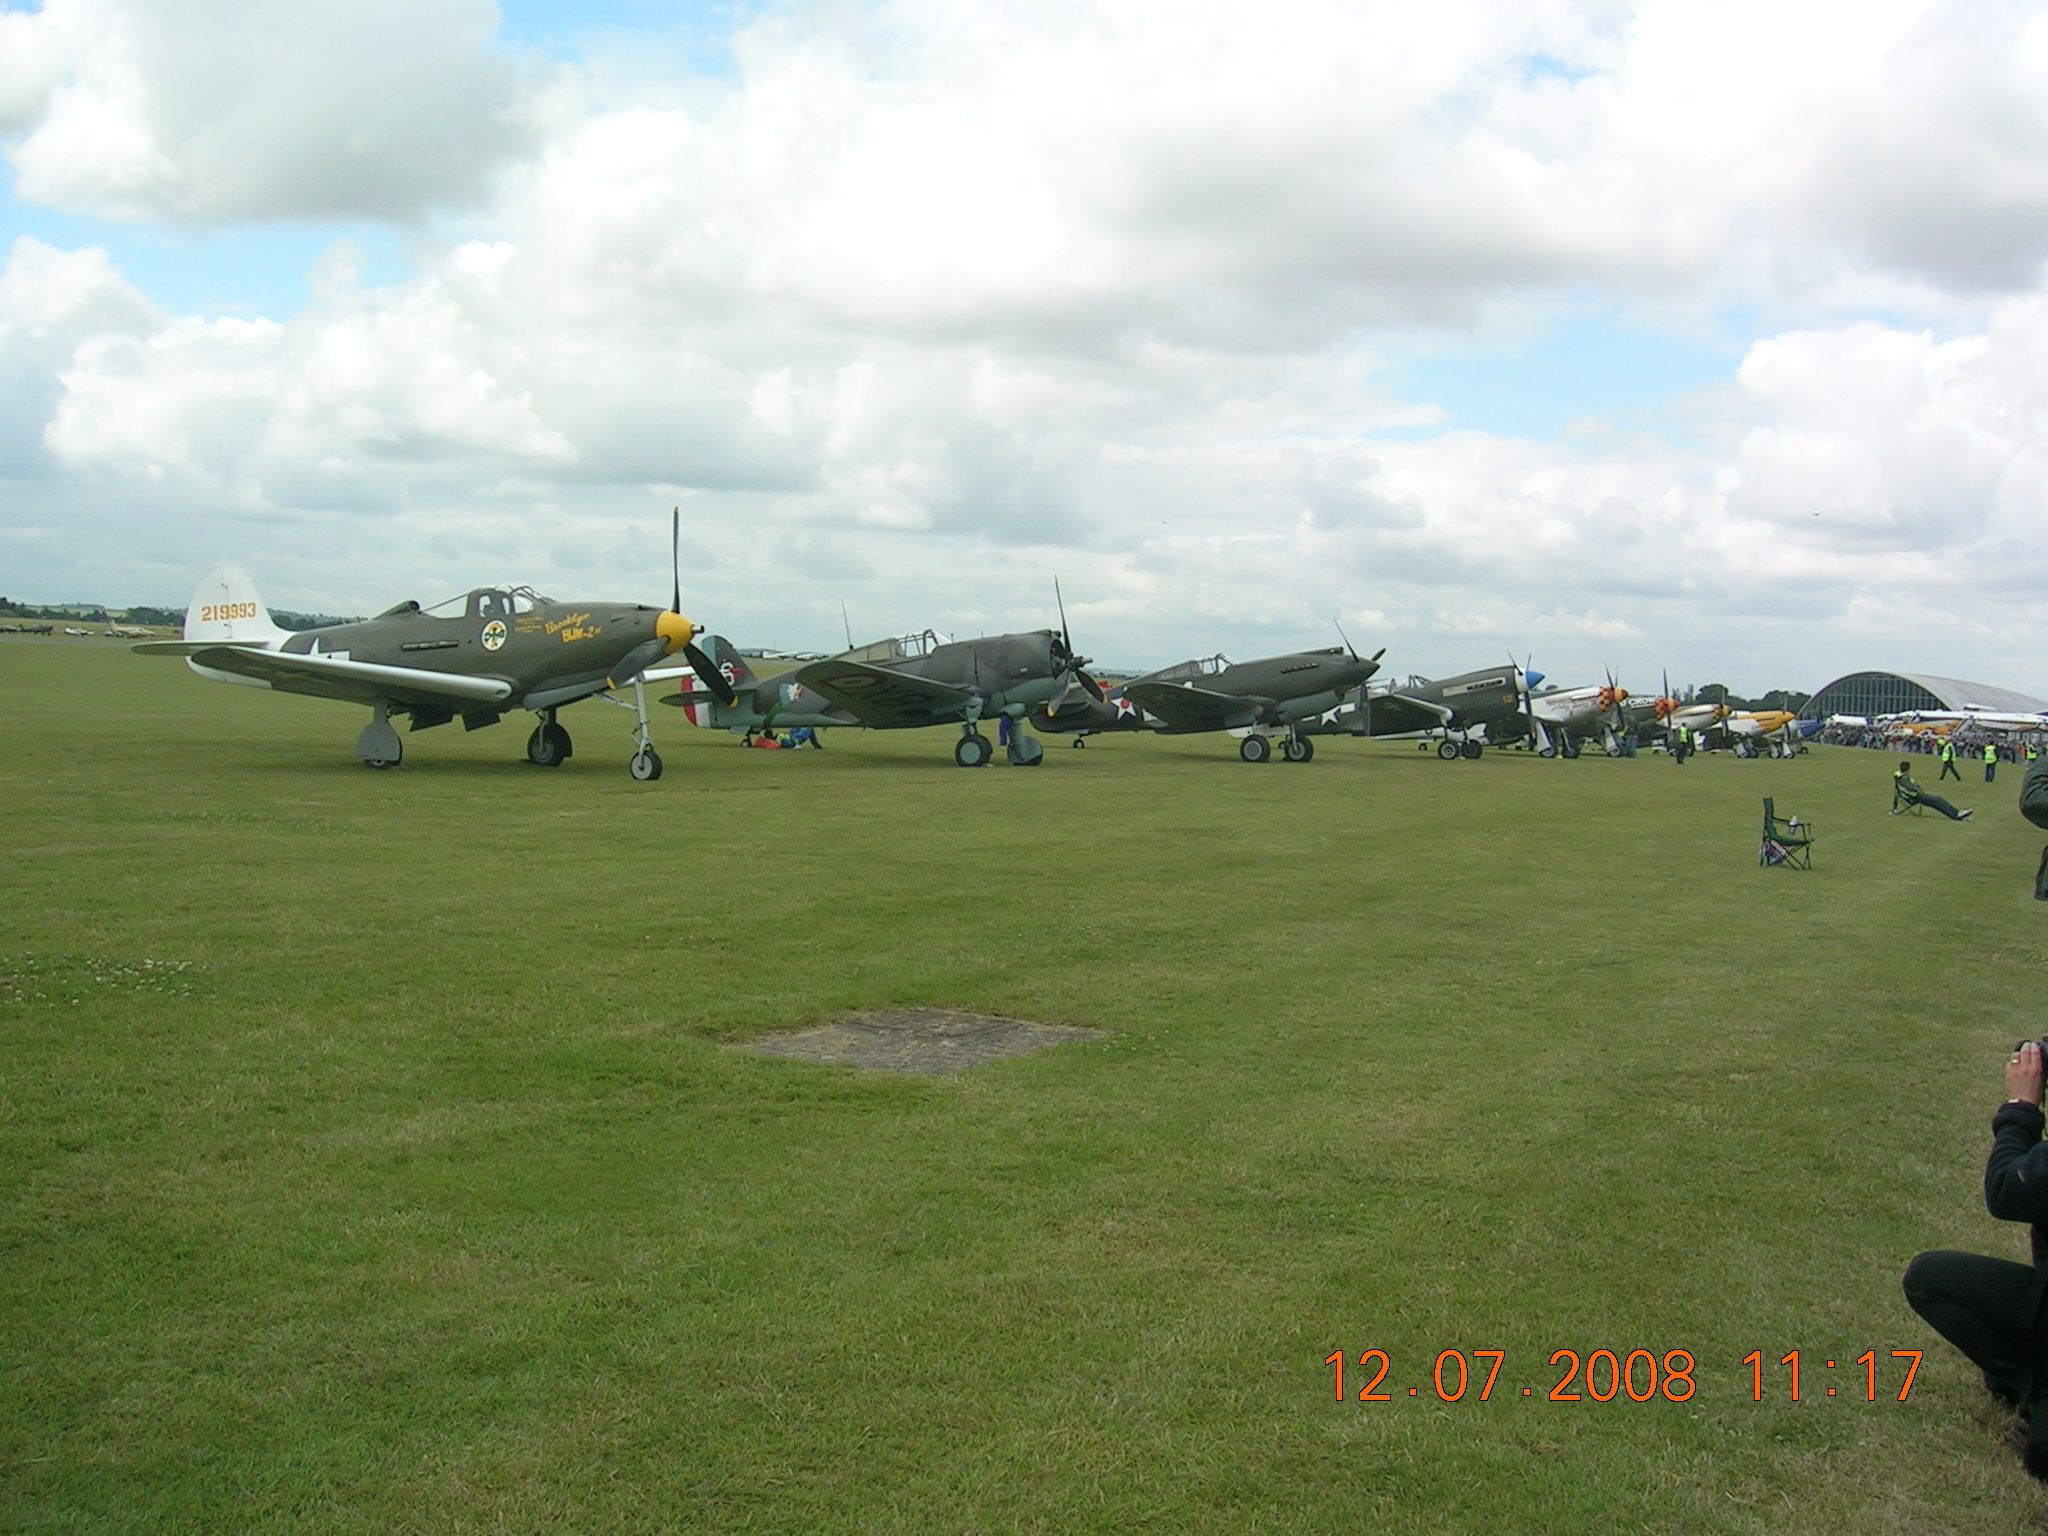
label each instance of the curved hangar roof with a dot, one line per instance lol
(1893, 693)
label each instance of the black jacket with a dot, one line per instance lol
(2034, 793)
(2016, 1179)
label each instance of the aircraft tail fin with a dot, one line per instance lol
(729, 661)
(226, 608)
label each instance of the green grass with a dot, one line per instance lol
(373, 1161)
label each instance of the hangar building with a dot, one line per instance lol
(1893, 693)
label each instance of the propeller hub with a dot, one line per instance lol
(676, 630)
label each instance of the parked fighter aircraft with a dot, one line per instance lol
(478, 656)
(1751, 731)
(1492, 701)
(1561, 718)
(130, 632)
(1274, 693)
(917, 680)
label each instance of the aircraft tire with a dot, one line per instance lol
(971, 751)
(385, 762)
(645, 766)
(1470, 750)
(1255, 749)
(1571, 749)
(1546, 751)
(544, 746)
(1299, 750)
(1447, 750)
(1614, 752)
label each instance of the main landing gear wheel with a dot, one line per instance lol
(645, 766)
(378, 744)
(1255, 749)
(548, 746)
(1546, 751)
(972, 750)
(1614, 752)
(1298, 750)
(1571, 749)
(1470, 750)
(1447, 750)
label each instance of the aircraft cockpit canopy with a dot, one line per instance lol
(896, 648)
(488, 603)
(1200, 666)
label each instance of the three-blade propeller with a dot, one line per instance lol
(1073, 685)
(705, 668)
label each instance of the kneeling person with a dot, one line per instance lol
(1988, 1308)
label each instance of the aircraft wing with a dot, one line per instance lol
(1186, 708)
(884, 699)
(1397, 714)
(337, 677)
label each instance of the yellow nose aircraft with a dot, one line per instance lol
(475, 658)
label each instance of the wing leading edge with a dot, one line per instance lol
(883, 699)
(335, 677)
(1186, 708)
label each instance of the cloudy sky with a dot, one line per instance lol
(1708, 336)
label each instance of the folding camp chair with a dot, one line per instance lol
(1788, 842)
(1901, 806)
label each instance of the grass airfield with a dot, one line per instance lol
(374, 1158)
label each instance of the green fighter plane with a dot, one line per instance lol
(909, 682)
(1495, 701)
(1287, 694)
(927, 682)
(474, 658)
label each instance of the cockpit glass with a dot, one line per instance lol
(449, 608)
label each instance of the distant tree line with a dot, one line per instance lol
(170, 618)
(1788, 699)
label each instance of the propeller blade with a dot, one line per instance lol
(710, 676)
(1351, 649)
(1066, 636)
(636, 661)
(846, 623)
(675, 557)
(1077, 688)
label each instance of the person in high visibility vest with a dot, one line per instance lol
(1990, 762)
(1948, 762)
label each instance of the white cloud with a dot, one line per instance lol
(929, 302)
(218, 109)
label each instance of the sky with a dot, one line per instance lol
(1634, 335)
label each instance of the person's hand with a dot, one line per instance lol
(2023, 1075)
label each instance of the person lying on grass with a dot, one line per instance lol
(1906, 794)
